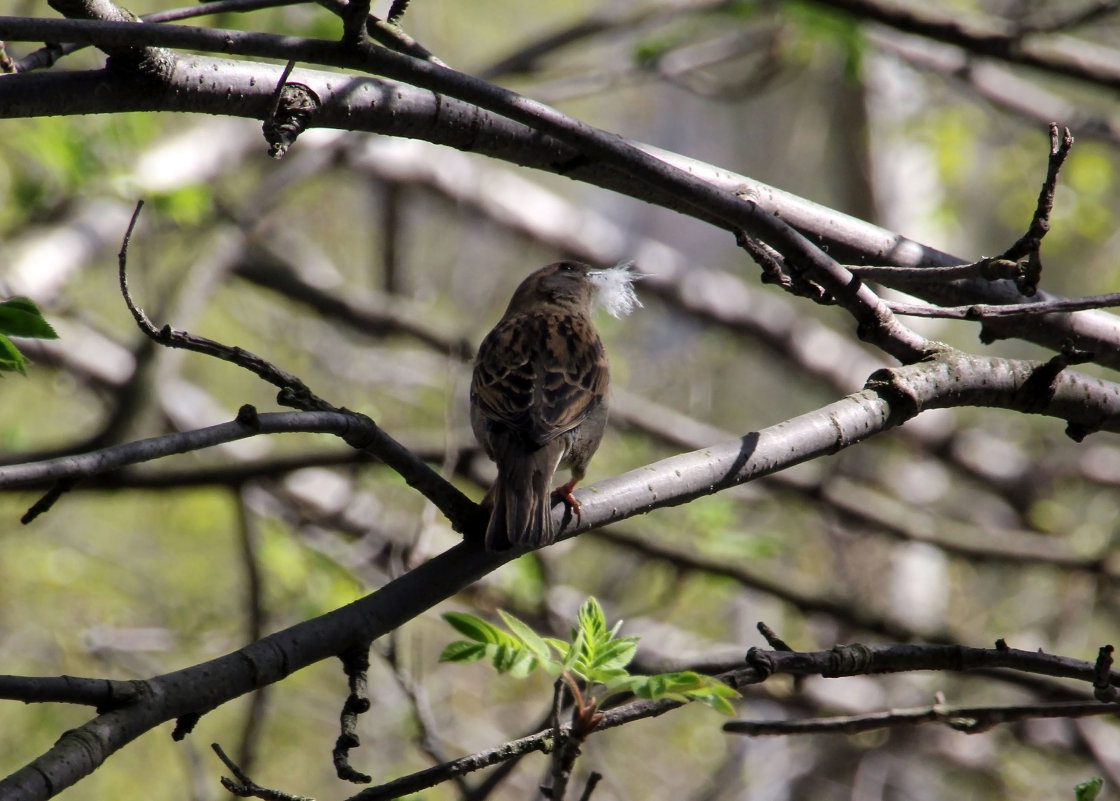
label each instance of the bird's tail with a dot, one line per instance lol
(522, 514)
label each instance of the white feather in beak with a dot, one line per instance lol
(615, 287)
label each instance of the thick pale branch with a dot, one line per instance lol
(875, 321)
(899, 394)
(216, 86)
(892, 397)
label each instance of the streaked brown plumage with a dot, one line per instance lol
(539, 401)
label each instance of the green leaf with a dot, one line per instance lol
(563, 653)
(462, 651)
(1088, 790)
(20, 317)
(597, 648)
(624, 682)
(507, 653)
(525, 633)
(511, 659)
(475, 628)
(596, 654)
(716, 700)
(11, 360)
(592, 621)
(561, 648)
(605, 677)
(684, 686)
(615, 654)
(574, 651)
(680, 682)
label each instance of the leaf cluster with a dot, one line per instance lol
(20, 317)
(594, 654)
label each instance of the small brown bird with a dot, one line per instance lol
(539, 401)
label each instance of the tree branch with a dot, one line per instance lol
(363, 103)
(900, 393)
(989, 37)
(859, 659)
(341, 424)
(969, 720)
(840, 661)
(200, 688)
(876, 323)
(100, 693)
(457, 507)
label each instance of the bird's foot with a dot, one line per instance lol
(564, 493)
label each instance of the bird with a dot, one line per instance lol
(539, 401)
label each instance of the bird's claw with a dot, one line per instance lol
(564, 494)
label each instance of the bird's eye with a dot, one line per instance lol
(567, 267)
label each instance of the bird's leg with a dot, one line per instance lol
(564, 493)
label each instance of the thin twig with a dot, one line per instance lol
(293, 391)
(990, 269)
(592, 783)
(775, 270)
(354, 21)
(858, 659)
(846, 660)
(555, 792)
(969, 720)
(356, 665)
(775, 642)
(291, 65)
(385, 33)
(989, 311)
(114, 457)
(460, 510)
(244, 787)
(1027, 249)
(1103, 689)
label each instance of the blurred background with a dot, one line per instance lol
(370, 267)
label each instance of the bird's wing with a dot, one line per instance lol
(540, 373)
